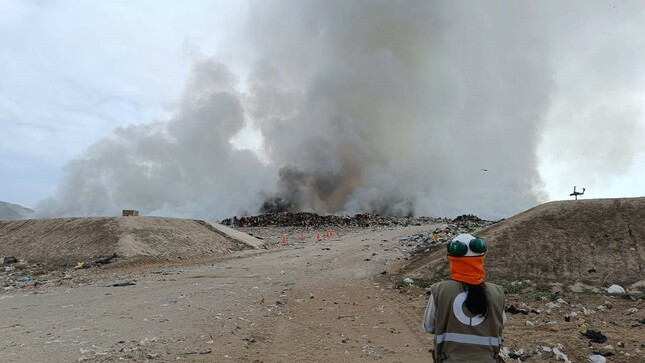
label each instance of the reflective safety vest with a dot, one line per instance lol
(458, 332)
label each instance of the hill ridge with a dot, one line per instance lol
(60, 241)
(595, 242)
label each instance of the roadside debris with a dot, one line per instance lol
(595, 336)
(615, 289)
(123, 284)
(597, 358)
(7, 260)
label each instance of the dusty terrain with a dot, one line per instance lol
(587, 243)
(309, 301)
(340, 299)
(65, 241)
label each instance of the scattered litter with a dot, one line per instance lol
(552, 305)
(203, 352)
(559, 355)
(105, 260)
(514, 310)
(597, 358)
(595, 336)
(122, 284)
(6, 260)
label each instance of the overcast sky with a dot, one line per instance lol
(73, 71)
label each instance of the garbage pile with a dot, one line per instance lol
(305, 219)
(462, 224)
(557, 315)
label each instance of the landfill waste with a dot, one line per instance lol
(559, 354)
(520, 354)
(7, 260)
(641, 321)
(615, 289)
(25, 279)
(462, 224)
(122, 284)
(306, 219)
(597, 358)
(595, 336)
(408, 281)
(105, 260)
(514, 310)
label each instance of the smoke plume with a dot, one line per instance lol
(393, 107)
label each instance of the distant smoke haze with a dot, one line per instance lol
(415, 107)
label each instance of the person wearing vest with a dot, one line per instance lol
(465, 314)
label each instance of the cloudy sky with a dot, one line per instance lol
(348, 106)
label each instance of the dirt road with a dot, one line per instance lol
(308, 302)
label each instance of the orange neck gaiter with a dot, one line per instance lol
(467, 269)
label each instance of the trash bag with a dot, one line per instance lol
(595, 336)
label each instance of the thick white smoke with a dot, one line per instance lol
(184, 166)
(394, 107)
(403, 104)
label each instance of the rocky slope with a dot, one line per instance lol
(591, 242)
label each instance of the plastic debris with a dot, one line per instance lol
(6, 260)
(559, 355)
(595, 336)
(597, 358)
(514, 310)
(615, 289)
(122, 284)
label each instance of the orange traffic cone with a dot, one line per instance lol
(318, 236)
(284, 239)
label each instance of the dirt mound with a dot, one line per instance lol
(62, 241)
(595, 242)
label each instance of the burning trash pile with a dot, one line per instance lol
(305, 219)
(466, 223)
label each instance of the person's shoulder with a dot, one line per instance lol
(443, 284)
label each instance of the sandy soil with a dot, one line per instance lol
(312, 301)
(309, 301)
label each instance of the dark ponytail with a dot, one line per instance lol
(477, 301)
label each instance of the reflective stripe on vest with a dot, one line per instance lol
(468, 339)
